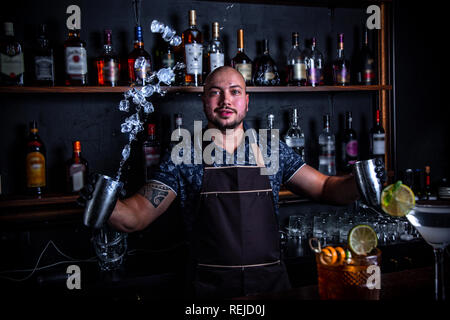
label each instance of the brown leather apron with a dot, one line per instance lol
(235, 236)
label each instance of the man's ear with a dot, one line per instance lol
(248, 99)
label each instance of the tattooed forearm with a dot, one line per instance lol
(154, 192)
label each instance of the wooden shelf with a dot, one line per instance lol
(182, 89)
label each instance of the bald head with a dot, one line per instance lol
(221, 72)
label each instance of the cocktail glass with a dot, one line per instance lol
(432, 221)
(354, 278)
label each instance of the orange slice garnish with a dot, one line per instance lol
(328, 256)
(341, 254)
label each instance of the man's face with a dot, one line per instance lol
(225, 101)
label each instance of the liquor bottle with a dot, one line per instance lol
(75, 59)
(139, 61)
(366, 69)
(193, 52)
(376, 142)
(294, 136)
(341, 66)
(241, 62)
(167, 56)
(327, 155)
(35, 162)
(44, 66)
(266, 71)
(215, 56)
(314, 62)
(11, 58)
(76, 170)
(152, 151)
(296, 64)
(108, 65)
(349, 144)
(427, 192)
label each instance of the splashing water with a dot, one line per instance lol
(135, 123)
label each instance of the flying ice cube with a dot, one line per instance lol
(168, 34)
(126, 127)
(126, 152)
(124, 105)
(157, 26)
(175, 41)
(166, 75)
(148, 90)
(148, 107)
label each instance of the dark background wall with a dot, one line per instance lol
(94, 118)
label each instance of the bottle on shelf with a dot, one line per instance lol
(429, 194)
(215, 56)
(270, 124)
(266, 71)
(11, 58)
(139, 61)
(44, 66)
(35, 162)
(108, 64)
(76, 170)
(314, 63)
(366, 68)
(75, 60)
(376, 140)
(341, 66)
(193, 52)
(241, 62)
(294, 137)
(327, 149)
(296, 63)
(152, 150)
(349, 144)
(178, 126)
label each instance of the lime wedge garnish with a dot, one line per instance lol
(362, 239)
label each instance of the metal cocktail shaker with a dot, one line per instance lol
(369, 184)
(99, 208)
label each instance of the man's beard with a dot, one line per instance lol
(223, 127)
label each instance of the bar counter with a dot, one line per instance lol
(408, 284)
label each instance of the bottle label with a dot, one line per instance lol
(246, 70)
(44, 68)
(369, 75)
(299, 71)
(76, 172)
(194, 54)
(142, 67)
(216, 59)
(378, 143)
(315, 76)
(111, 71)
(76, 61)
(12, 66)
(152, 156)
(342, 75)
(35, 170)
(351, 148)
(295, 142)
(168, 60)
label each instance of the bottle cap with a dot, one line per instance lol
(77, 146)
(108, 36)
(151, 129)
(240, 37)
(215, 29)
(192, 18)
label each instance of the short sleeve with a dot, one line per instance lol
(290, 161)
(168, 173)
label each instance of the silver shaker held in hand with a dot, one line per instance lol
(368, 183)
(99, 208)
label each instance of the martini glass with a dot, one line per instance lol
(432, 221)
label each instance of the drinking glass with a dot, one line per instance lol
(350, 280)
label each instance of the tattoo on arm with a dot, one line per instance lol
(154, 192)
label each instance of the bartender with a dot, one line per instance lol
(230, 210)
